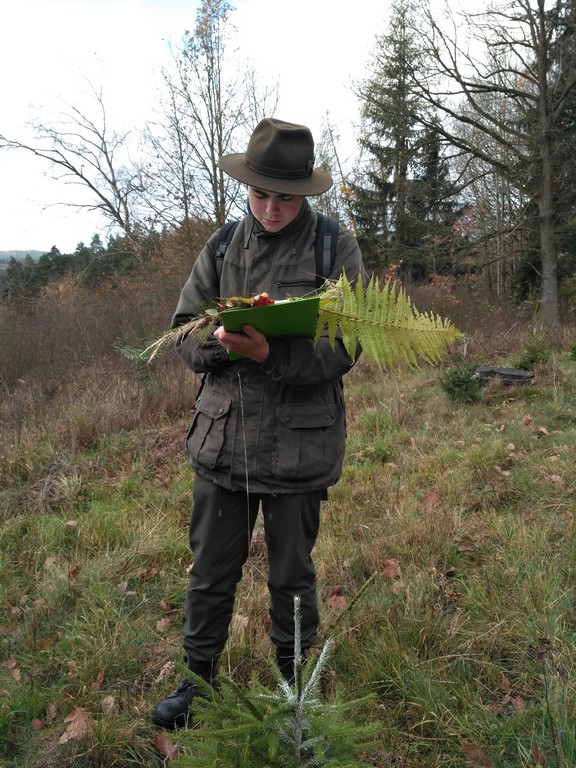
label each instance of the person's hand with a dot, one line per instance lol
(250, 343)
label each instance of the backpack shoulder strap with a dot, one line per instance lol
(226, 232)
(325, 247)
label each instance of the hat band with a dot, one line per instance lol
(277, 174)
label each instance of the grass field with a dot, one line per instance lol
(446, 565)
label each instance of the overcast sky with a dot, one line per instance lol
(49, 48)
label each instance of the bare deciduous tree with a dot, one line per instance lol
(518, 41)
(209, 104)
(83, 151)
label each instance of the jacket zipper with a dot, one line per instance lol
(287, 283)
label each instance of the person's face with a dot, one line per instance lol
(272, 209)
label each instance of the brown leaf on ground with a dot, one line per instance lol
(166, 672)
(109, 705)
(51, 711)
(74, 571)
(79, 723)
(165, 746)
(99, 680)
(431, 499)
(163, 624)
(267, 621)
(12, 667)
(338, 602)
(475, 755)
(328, 592)
(145, 574)
(390, 568)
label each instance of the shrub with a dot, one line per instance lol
(459, 383)
(535, 354)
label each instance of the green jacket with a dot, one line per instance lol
(279, 426)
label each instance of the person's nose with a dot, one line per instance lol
(272, 205)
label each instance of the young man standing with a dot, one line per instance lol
(269, 428)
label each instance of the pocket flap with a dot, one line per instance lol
(307, 416)
(213, 405)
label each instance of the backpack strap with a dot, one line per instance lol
(226, 232)
(325, 247)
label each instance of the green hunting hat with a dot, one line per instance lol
(279, 158)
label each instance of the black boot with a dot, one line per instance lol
(173, 711)
(285, 663)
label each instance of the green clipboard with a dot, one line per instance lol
(291, 317)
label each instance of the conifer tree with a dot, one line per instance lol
(401, 197)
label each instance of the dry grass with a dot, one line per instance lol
(453, 523)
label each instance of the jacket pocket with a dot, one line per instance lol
(307, 445)
(205, 439)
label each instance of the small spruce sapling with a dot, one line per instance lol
(286, 727)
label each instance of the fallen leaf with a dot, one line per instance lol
(49, 744)
(146, 573)
(166, 672)
(99, 680)
(163, 624)
(79, 723)
(74, 571)
(71, 524)
(431, 499)
(166, 608)
(539, 757)
(338, 602)
(51, 711)
(37, 724)
(12, 667)
(543, 431)
(528, 420)
(331, 591)
(475, 754)
(267, 622)
(390, 568)
(47, 642)
(518, 703)
(108, 705)
(165, 746)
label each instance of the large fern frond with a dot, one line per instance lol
(384, 322)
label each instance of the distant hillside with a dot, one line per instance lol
(20, 255)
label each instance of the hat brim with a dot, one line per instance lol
(315, 184)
